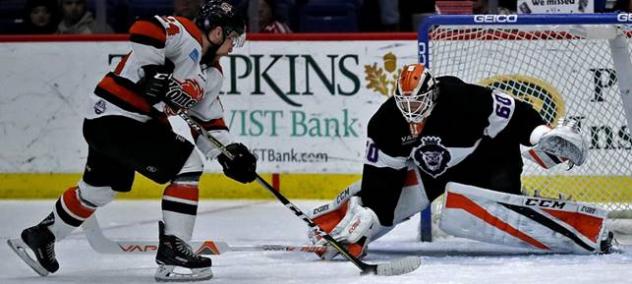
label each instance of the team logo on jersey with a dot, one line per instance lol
(184, 94)
(431, 156)
(99, 107)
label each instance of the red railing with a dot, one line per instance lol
(252, 36)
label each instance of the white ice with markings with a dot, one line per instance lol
(244, 223)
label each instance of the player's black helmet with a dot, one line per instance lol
(214, 13)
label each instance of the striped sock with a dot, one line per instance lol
(70, 211)
(179, 208)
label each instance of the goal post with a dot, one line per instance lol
(565, 65)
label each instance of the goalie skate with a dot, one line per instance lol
(175, 257)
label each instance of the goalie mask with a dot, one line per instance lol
(416, 93)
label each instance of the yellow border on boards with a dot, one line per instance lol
(302, 186)
(295, 186)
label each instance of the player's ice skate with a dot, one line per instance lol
(40, 242)
(175, 255)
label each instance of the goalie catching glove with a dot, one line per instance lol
(243, 165)
(355, 229)
(563, 143)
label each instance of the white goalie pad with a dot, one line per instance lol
(553, 225)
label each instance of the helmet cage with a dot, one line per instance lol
(416, 107)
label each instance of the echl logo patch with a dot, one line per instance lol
(99, 107)
(431, 156)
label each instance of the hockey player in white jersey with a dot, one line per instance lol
(442, 135)
(172, 65)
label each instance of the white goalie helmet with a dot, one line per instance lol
(416, 92)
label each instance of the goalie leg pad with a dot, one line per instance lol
(356, 229)
(413, 198)
(328, 216)
(553, 225)
(348, 221)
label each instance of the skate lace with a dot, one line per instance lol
(185, 249)
(50, 251)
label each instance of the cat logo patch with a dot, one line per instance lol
(431, 156)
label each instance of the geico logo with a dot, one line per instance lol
(495, 18)
(623, 17)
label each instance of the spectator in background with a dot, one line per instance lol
(268, 20)
(504, 7)
(186, 8)
(412, 12)
(623, 6)
(40, 17)
(389, 14)
(76, 19)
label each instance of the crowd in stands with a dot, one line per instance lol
(264, 16)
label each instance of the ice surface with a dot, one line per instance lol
(268, 222)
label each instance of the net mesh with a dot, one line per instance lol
(562, 72)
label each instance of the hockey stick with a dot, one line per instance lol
(397, 267)
(101, 244)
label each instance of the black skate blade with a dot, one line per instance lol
(19, 247)
(166, 273)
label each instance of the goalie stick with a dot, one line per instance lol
(396, 267)
(101, 244)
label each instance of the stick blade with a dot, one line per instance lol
(398, 267)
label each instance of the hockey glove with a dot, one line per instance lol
(242, 167)
(155, 83)
(565, 142)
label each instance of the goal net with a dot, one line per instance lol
(574, 66)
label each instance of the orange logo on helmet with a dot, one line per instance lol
(409, 80)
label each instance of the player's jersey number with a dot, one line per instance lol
(372, 152)
(502, 106)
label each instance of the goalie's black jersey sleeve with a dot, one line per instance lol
(472, 136)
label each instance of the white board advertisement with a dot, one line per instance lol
(301, 106)
(555, 6)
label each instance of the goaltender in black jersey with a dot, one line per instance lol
(442, 135)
